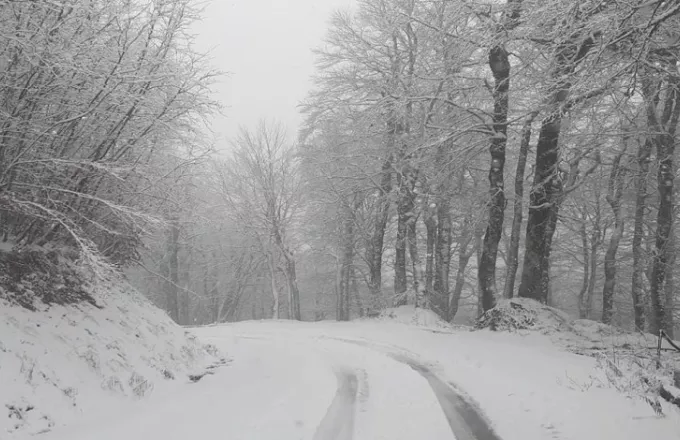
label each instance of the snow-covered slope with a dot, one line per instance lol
(60, 361)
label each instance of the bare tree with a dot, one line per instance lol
(261, 187)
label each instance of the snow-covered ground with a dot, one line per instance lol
(385, 379)
(528, 387)
(121, 370)
(60, 363)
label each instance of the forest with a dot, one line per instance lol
(453, 154)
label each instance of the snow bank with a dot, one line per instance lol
(524, 314)
(626, 361)
(88, 354)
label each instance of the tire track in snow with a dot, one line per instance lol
(465, 419)
(338, 423)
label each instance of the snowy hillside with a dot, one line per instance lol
(59, 361)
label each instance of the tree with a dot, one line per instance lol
(96, 95)
(500, 68)
(614, 195)
(261, 186)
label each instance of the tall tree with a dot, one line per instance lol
(663, 128)
(614, 195)
(547, 187)
(518, 208)
(261, 186)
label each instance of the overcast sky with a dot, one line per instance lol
(265, 45)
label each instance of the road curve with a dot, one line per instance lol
(465, 419)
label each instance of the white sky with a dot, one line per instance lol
(265, 45)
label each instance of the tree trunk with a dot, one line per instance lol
(547, 187)
(614, 196)
(404, 212)
(664, 224)
(440, 298)
(669, 323)
(346, 270)
(479, 248)
(338, 291)
(355, 292)
(275, 291)
(543, 206)
(418, 276)
(375, 246)
(664, 132)
(583, 300)
(406, 237)
(214, 304)
(639, 260)
(431, 228)
(500, 67)
(513, 249)
(595, 240)
(291, 278)
(465, 252)
(171, 284)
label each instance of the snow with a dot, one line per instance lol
(412, 315)
(291, 380)
(61, 363)
(528, 387)
(260, 395)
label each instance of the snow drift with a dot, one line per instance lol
(627, 361)
(69, 346)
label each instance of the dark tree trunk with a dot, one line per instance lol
(669, 291)
(340, 289)
(639, 269)
(479, 248)
(584, 302)
(405, 216)
(513, 249)
(431, 228)
(595, 241)
(416, 264)
(500, 67)
(614, 196)
(400, 260)
(440, 299)
(663, 130)
(543, 208)
(664, 224)
(355, 292)
(375, 246)
(547, 187)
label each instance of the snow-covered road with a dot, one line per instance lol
(380, 393)
(381, 380)
(297, 385)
